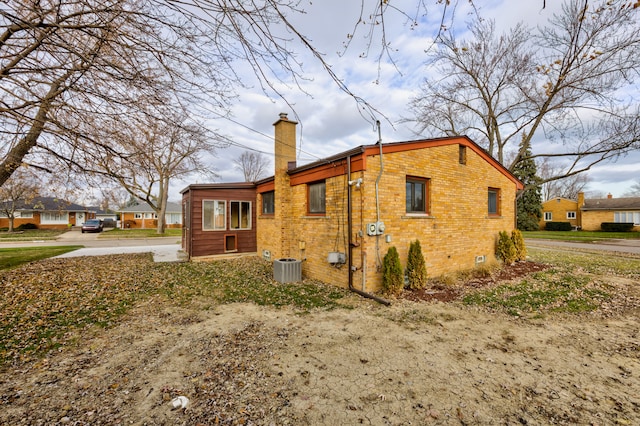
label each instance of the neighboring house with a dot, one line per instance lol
(142, 216)
(48, 213)
(340, 215)
(589, 214)
(103, 214)
(221, 219)
(560, 210)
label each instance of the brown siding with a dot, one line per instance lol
(207, 243)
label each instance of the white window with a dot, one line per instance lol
(150, 216)
(548, 216)
(626, 217)
(137, 216)
(173, 218)
(240, 215)
(214, 215)
(54, 218)
(571, 215)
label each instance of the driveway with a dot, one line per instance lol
(621, 246)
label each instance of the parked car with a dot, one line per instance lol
(92, 225)
(108, 223)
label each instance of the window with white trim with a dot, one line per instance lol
(214, 215)
(571, 215)
(137, 215)
(54, 218)
(240, 215)
(548, 216)
(627, 217)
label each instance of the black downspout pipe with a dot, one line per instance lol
(350, 262)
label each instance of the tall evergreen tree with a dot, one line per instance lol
(530, 201)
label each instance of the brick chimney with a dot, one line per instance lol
(285, 157)
(285, 142)
(609, 196)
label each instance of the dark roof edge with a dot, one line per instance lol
(229, 185)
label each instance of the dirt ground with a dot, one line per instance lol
(420, 361)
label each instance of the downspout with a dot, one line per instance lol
(352, 269)
(378, 260)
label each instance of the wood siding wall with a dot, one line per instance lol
(207, 243)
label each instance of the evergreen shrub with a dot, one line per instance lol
(416, 267)
(505, 249)
(392, 277)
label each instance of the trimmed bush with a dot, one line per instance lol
(518, 243)
(505, 249)
(558, 226)
(392, 278)
(416, 267)
(616, 226)
(27, 226)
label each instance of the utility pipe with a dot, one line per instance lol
(350, 242)
(378, 259)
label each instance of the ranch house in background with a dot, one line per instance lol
(337, 217)
(47, 213)
(141, 215)
(588, 214)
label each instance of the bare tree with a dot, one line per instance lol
(253, 165)
(634, 190)
(152, 152)
(567, 187)
(558, 89)
(18, 191)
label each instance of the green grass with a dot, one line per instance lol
(139, 233)
(30, 235)
(585, 236)
(12, 257)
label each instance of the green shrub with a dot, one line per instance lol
(518, 243)
(505, 249)
(392, 278)
(416, 267)
(616, 227)
(558, 226)
(27, 226)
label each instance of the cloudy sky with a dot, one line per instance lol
(331, 121)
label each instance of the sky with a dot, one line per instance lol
(330, 121)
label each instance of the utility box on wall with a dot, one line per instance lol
(287, 270)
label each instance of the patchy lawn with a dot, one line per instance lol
(112, 340)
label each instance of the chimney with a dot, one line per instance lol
(609, 196)
(284, 143)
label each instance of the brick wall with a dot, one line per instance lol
(457, 229)
(591, 219)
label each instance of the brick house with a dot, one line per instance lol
(45, 213)
(342, 213)
(589, 214)
(141, 215)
